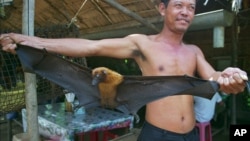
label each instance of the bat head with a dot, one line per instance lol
(105, 75)
(99, 75)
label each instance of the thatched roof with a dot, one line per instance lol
(95, 16)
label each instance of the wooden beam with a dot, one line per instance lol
(131, 14)
(121, 32)
(55, 4)
(157, 19)
(200, 23)
(101, 11)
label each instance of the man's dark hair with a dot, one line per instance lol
(165, 2)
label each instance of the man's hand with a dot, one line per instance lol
(232, 80)
(8, 42)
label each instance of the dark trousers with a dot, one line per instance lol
(151, 133)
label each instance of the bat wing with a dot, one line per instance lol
(132, 94)
(69, 75)
(136, 92)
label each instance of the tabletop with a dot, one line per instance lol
(54, 121)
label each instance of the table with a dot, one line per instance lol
(55, 122)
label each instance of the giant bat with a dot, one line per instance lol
(131, 93)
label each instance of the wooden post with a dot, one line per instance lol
(30, 79)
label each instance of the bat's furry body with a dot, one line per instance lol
(108, 81)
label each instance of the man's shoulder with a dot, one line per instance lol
(192, 46)
(138, 36)
(141, 39)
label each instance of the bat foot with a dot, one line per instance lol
(109, 106)
(137, 118)
(109, 103)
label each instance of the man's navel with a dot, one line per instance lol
(161, 68)
(182, 118)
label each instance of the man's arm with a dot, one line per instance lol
(117, 47)
(231, 80)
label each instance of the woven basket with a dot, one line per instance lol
(13, 99)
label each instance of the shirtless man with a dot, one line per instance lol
(171, 118)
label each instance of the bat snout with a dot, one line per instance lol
(97, 79)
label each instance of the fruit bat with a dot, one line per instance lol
(126, 93)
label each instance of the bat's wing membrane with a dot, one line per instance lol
(136, 92)
(71, 76)
(132, 94)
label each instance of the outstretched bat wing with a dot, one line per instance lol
(69, 75)
(135, 92)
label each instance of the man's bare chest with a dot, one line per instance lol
(171, 63)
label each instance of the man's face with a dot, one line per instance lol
(179, 14)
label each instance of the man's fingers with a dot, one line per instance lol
(7, 43)
(220, 80)
(233, 84)
(244, 77)
(3, 36)
(10, 48)
(6, 40)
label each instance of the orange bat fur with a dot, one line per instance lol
(107, 85)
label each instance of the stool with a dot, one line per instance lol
(108, 135)
(94, 136)
(205, 131)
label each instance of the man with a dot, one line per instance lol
(170, 118)
(204, 108)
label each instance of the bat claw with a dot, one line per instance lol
(137, 118)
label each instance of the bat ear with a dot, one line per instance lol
(105, 72)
